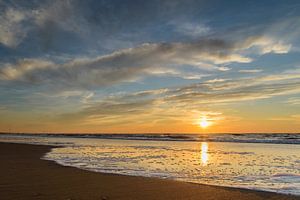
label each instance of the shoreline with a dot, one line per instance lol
(24, 175)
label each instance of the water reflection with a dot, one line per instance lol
(204, 154)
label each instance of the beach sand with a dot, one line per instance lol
(23, 175)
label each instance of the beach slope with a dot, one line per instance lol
(23, 175)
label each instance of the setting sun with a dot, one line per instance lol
(204, 123)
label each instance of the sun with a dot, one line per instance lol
(204, 123)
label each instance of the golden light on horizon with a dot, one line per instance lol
(204, 122)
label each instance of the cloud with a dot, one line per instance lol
(175, 72)
(129, 64)
(266, 45)
(191, 29)
(250, 70)
(12, 31)
(230, 92)
(22, 67)
(61, 15)
(293, 101)
(216, 80)
(224, 69)
(185, 102)
(98, 26)
(293, 118)
(42, 20)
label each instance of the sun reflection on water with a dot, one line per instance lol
(204, 153)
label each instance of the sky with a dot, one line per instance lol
(168, 66)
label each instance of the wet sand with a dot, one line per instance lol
(23, 175)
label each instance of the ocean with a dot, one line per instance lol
(267, 162)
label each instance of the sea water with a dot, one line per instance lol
(268, 163)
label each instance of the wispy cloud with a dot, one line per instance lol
(250, 70)
(293, 101)
(45, 18)
(267, 44)
(149, 105)
(130, 64)
(292, 118)
(194, 30)
(12, 31)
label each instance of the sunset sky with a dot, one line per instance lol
(169, 66)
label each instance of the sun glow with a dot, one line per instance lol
(204, 123)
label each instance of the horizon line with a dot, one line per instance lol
(150, 133)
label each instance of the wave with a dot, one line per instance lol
(238, 138)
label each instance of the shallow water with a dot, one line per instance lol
(259, 166)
